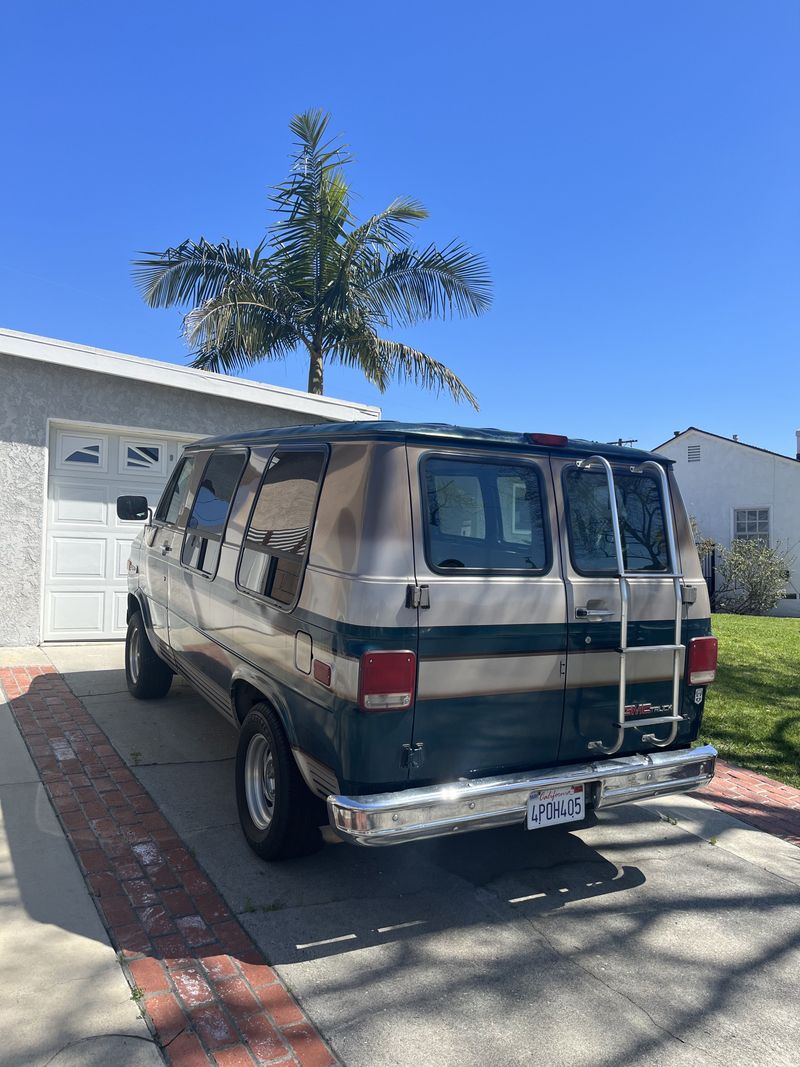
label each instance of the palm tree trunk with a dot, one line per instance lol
(315, 370)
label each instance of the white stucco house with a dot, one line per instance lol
(737, 490)
(80, 426)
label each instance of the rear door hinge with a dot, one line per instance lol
(418, 596)
(412, 756)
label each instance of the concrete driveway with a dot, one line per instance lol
(666, 933)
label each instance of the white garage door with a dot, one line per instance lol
(87, 546)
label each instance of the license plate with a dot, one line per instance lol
(550, 807)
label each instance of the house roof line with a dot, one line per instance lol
(156, 372)
(728, 440)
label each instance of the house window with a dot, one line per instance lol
(751, 524)
(693, 453)
(278, 534)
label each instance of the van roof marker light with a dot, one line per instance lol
(555, 440)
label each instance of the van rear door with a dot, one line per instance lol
(492, 610)
(594, 608)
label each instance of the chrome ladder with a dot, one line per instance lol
(625, 577)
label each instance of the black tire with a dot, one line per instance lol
(148, 676)
(278, 814)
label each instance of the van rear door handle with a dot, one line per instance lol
(165, 549)
(593, 613)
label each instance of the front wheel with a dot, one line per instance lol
(276, 810)
(147, 675)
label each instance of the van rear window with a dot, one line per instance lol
(484, 516)
(641, 517)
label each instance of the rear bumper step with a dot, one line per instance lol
(482, 803)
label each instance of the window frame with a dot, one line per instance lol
(323, 450)
(220, 539)
(616, 468)
(168, 488)
(514, 460)
(755, 536)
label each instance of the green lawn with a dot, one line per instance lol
(752, 711)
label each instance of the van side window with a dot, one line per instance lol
(641, 518)
(206, 525)
(174, 496)
(484, 515)
(277, 538)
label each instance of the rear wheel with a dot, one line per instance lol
(147, 675)
(276, 810)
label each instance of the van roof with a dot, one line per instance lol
(424, 431)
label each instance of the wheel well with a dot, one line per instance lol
(133, 607)
(244, 696)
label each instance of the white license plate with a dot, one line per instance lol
(550, 807)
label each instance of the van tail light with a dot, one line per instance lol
(554, 440)
(387, 680)
(701, 660)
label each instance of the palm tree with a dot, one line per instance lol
(319, 280)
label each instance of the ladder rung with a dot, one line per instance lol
(650, 722)
(650, 648)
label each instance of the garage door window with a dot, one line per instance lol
(206, 526)
(171, 503)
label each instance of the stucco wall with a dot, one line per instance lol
(730, 476)
(30, 394)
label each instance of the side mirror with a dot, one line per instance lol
(133, 508)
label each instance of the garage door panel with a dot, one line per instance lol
(78, 557)
(73, 613)
(79, 504)
(121, 557)
(119, 610)
(87, 545)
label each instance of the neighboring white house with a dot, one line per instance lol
(736, 490)
(80, 426)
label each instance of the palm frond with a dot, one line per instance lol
(432, 283)
(230, 334)
(195, 272)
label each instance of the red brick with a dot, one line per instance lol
(213, 1026)
(171, 947)
(126, 868)
(192, 987)
(258, 975)
(93, 809)
(162, 876)
(178, 902)
(237, 997)
(104, 884)
(308, 1046)
(132, 938)
(280, 1005)
(197, 884)
(167, 1015)
(213, 908)
(149, 975)
(263, 1038)
(194, 930)
(93, 859)
(220, 967)
(186, 1051)
(141, 893)
(117, 911)
(232, 937)
(156, 920)
(240, 1057)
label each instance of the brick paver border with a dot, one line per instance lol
(755, 799)
(207, 993)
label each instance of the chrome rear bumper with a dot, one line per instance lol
(478, 804)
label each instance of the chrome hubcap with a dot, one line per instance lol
(135, 656)
(259, 781)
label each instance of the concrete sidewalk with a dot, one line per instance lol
(64, 1000)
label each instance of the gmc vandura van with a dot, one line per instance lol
(427, 629)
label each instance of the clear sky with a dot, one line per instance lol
(629, 170)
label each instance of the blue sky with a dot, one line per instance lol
(630, 172)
